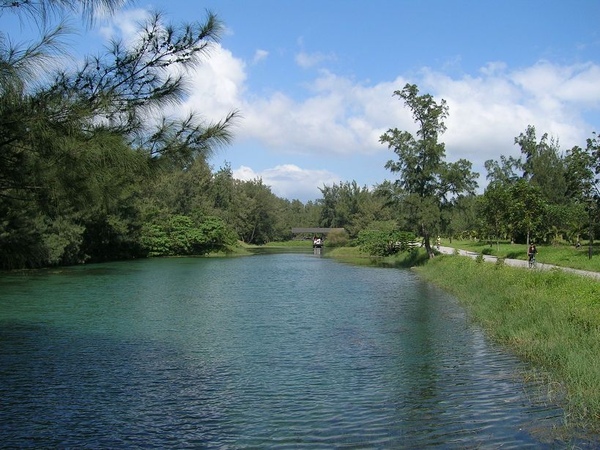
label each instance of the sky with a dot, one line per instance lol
(313, 80)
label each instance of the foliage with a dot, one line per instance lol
(78, 148)
(181, 236)
(91, 169)
(337, 238)
(257, 213)
(542, 165)
(428, 182)
(526, 211)
(350, 207)
(384, 242)
(541, 195)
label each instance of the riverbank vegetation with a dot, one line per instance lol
(92, 168)
(549, 318)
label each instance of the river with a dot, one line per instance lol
(269, 351)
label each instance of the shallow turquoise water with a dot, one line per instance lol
(270, 351)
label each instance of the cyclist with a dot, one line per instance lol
(531, 255)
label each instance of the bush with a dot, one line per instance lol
(337, 238)
(384, 243)
(180, 235)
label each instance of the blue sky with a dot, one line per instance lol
(313, 80)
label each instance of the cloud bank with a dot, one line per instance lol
(341, 117)
(338, 118)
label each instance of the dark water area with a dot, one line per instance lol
(269, 351)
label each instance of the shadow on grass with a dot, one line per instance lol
(404, 261)
(400, 261)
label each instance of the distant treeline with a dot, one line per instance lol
(91, 170)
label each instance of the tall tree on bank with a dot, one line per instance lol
(429, 182)
(542, 165)
(76, 146)
(583, 181)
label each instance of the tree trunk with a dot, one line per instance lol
(427, 241)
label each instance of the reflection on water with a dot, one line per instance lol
(270, 351)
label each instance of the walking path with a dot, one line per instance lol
(519, 262)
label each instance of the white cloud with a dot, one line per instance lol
(216, 85)
(308, 60)
(259, 56)
(125, 25)
(339, 117)
(487, 111)
(562, 86)
(289, 180)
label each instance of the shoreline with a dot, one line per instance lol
(549, 318)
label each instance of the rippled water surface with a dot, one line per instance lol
(270, 351)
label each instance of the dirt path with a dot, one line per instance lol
(519, 262)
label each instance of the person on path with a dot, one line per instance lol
(531, 252)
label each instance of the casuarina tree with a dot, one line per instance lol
(428, 182)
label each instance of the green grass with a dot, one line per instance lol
(558, 255)
(549, 318)
(296, 243)
(243, 249)
(353, 255)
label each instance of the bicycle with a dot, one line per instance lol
(532, 262)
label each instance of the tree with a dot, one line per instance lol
(428, 181)
(348, 206)
(462, 218)
(258, 217)
(494, 206)
(543, 165)
(384, 242)
(180, 235)
(527, 211)
(77, 147)
(502, 172)
(583, 181)
(42, 9)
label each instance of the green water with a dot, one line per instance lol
(269, 351)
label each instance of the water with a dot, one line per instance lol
(272, 351)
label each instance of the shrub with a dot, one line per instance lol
(180, 235)
(384, 243)
(337, 238)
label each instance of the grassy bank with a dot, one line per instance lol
(551, 319)
(559, 255)
(354, 256)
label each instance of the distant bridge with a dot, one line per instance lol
(315, 230)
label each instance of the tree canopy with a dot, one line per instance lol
(91, 168)
(430, 184)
